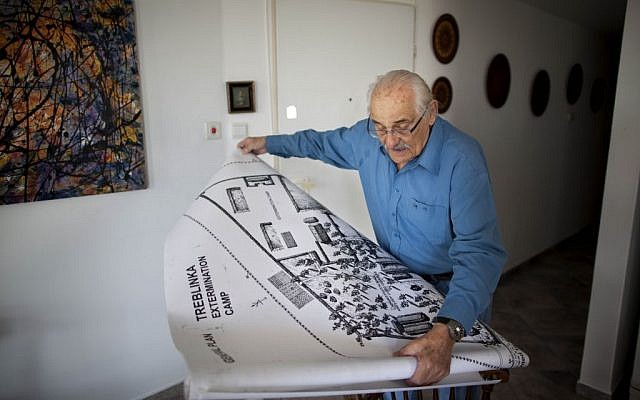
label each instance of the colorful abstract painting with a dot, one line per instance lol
(70, 112)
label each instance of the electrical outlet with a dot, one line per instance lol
(212, 130)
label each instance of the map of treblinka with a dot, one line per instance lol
(269, 293)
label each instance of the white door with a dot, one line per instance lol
(328, 53)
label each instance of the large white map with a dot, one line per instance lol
(269, 294)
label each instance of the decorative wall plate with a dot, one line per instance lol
(574, 84)
(597, 95)
(442, 92)
(498, 81)
(540, 93)
(445, 38)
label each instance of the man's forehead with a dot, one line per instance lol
(393, 93)
(392, 108)
(400, 92)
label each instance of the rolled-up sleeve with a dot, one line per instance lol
(342, 147)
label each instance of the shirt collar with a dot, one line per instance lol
(430, 156)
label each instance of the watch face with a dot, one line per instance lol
(458, 331)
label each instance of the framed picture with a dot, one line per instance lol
(240, 97)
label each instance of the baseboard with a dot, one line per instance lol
(591, 393)
(175, 392)
(623, 391)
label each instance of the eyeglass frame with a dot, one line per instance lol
(393, 131)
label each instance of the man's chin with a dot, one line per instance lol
(399, 156)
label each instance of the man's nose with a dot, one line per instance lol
(391, 140)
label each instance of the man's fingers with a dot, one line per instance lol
(255, 145)
(433, 356)
(246, 146)
(243, 146)
(413, 348)
(427, 371)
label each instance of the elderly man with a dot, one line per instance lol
(429, 196)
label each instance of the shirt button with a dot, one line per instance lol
(397, 190)
(393, 214)
(395, 234)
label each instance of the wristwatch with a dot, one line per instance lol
(456, 330)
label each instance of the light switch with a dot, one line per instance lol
(239, 130)
(212, 130)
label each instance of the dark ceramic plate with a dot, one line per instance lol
(574, 84)
(540, 93)
(498, 81)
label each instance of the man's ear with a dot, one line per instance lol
(433, 111)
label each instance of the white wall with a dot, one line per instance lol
(82, 310)
(615, 299)
(546, 171)
(245, 57)
(335, 94)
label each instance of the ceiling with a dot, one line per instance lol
(604, 16)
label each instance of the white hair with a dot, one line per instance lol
(399, 78)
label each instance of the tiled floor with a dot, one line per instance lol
(541, 306)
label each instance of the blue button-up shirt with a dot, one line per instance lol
(436, 214)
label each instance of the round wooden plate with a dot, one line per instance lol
(445, 38)
(442, 92)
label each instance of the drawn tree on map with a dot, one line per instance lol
(346, 287)
(70, 114)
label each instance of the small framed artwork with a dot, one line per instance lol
(240, 97)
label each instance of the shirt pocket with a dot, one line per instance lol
(430, 220)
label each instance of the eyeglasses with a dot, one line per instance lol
(402, 133)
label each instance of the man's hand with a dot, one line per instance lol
(255, 145)
(433, 352)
